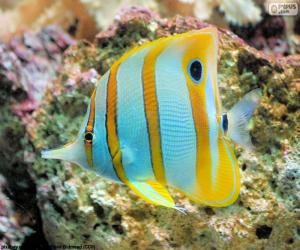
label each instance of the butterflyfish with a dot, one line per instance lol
(155, 121)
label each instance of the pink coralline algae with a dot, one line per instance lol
(28, 63)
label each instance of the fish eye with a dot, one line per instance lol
(195, 70)
(88, 136)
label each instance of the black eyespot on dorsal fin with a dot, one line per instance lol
(195, 70)
(225, 123)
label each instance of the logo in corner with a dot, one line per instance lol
(282, 7)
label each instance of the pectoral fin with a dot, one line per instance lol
(154, 192)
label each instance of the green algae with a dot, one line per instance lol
(13, 141)
(109, 50)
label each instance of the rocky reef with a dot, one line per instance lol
(28, 64)
(77, 207)
(14, 233)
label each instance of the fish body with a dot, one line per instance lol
(155, 120)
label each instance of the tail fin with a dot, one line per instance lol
(239, 116)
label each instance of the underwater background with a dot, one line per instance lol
(51, 54)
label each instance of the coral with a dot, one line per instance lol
(293, 33)
(241, 12)
(289, 176)
(36, 14)
(104, 13)
(275, 35)
(269, 35)
(80, 208)
(84, 18)
(81, 18)
(27, 64)
(237, 12)
(8, 4)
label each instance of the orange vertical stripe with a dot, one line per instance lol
(200, 116)
(111, 124)
(203, 160)
(152, 112)
(111, 117)
(114, 145)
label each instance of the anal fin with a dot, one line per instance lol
(154, 192)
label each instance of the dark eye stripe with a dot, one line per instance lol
(89, 136)
(195, 70)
